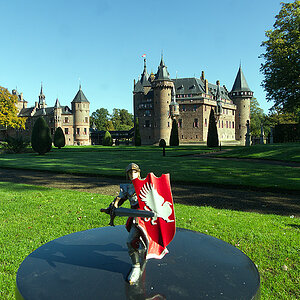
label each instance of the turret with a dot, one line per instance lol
(162, 86)
(81, 111)
(241, 96)
(42, 101)
(57, 114)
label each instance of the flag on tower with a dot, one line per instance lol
(144, 55)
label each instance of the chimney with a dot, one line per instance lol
(202, 76)
(218, 82)
(206, 86)
(21, 96)
(36, 105)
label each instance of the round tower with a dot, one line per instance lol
(57, 114)
(81, 121)
(241, 96)
(162, 87)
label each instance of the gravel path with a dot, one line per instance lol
(234, 199)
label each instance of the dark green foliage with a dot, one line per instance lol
(162, 143)
(286, 133)
(137, 136)
(174, 139)
(212, 135)
(107, 140)
(41, 141)
(14, 144)
(59, 138)
(281, 59)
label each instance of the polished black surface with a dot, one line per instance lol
(94, 264)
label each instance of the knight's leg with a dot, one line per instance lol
(133, 250)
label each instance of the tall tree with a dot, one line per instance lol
(137, 136)
(41, 141)
(100, 118)
(107, 140)
(174, 139)
(282, 58)
(258, 118)
(59, 138)
(8, 111)
(212, 134)
(122, 119)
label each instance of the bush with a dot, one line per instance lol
(15, 144)
(137, 136)
(107, 140)
(162, 143)
(174, 139)
(59, 138)
(41, 140)
(212, 135)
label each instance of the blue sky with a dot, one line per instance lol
(101, 43)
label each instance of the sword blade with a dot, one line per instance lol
(127, 212)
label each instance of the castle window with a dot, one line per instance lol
(78, 130)
(86, 119)
(84, 131)
(66, 130)
(240, 126)
(205, 122)
(195, 107)
(195, 124)
(204, 107)
(147, 123)
(226, 124)
(66, 120)
(233, 112)
(182, 136)
(180, 123)
(229, 124)
(219, 123)
(222, 123)
(226, 111)
(232, 124)
(168, 124)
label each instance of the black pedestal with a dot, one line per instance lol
(94, 264)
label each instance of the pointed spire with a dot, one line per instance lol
(57, 104)
(240, 83)
(162, 72)
(145, 76)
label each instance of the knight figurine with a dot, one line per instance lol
(151, 222)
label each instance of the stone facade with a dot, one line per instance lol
(75, 122)
(158, 99)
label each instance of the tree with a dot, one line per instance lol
(277, 116)
(122, 119)
(59, 138)
(8, 111)
(174, 139)
(282, 59)
(100, 118)
(107, 140)
(212, 134)
(41, 141)
(137, 136)
(258, 118)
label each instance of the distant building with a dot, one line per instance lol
(157, 99)
(74, 121)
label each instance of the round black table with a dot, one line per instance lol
(94, 264)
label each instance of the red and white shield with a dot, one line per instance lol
(154, 194)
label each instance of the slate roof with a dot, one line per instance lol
(143, 82)
(80, 97)
(162, 72)
(240, 83)
(26, 112)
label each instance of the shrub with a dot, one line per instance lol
(59, 138)
(212, 135)
(107, 140)
(41, 141)
(174, 139)
(137, 136)
(15, 144)
(162, 143)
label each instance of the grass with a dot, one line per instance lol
(282, 152)
(180, 162)
(31, 216)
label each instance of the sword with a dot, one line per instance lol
(125, 212)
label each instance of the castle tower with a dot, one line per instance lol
(81, 112)
(42, 102)
(57, 114)
(241, 96)
(143, 106)
(162, 87)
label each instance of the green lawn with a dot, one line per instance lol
(180, 163)
(31, 216)
(283, 152)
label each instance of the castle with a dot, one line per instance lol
(75, 122)
(157, 100)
